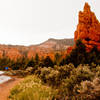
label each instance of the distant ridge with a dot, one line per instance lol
(43, 49)
(57, 44)
(69, 41)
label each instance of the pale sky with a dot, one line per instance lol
(27, 22)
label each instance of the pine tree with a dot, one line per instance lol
(31, 62)
(78, 55)
(48, 62)
(57, 59)
(36, 59)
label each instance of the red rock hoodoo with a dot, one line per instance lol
(88, 29)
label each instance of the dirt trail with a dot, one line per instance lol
(6, 87)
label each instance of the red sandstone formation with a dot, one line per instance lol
(47, 48)
(88, 29)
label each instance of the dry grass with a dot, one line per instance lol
(31, 89)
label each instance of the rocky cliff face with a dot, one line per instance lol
(88, 28)
(47, 48)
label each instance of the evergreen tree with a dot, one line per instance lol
(31, 63)
(57, 59)
(63, 62)
(78, 54)
(16, 64)
(48, 62)
(41, 64)
(36, 59)
(94, 56)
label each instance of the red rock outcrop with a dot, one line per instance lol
(88, 28)
(47, 48)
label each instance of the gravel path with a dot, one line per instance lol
(7, 86)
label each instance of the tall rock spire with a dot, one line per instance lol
(88, 28)
(86, 7)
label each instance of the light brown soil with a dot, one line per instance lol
(6, 87)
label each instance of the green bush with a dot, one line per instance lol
(54, 76)
(64, 70)
(68, 88)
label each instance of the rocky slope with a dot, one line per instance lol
(46, 48)
(88, 28)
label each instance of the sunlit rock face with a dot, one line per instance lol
(88, 28)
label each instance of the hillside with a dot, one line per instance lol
(57, 44)
(46, 48)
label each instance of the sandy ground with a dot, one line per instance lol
(7, 86)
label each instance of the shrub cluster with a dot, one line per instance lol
(71, 82)
(54, 76)
(89, 90)
(68, 89)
